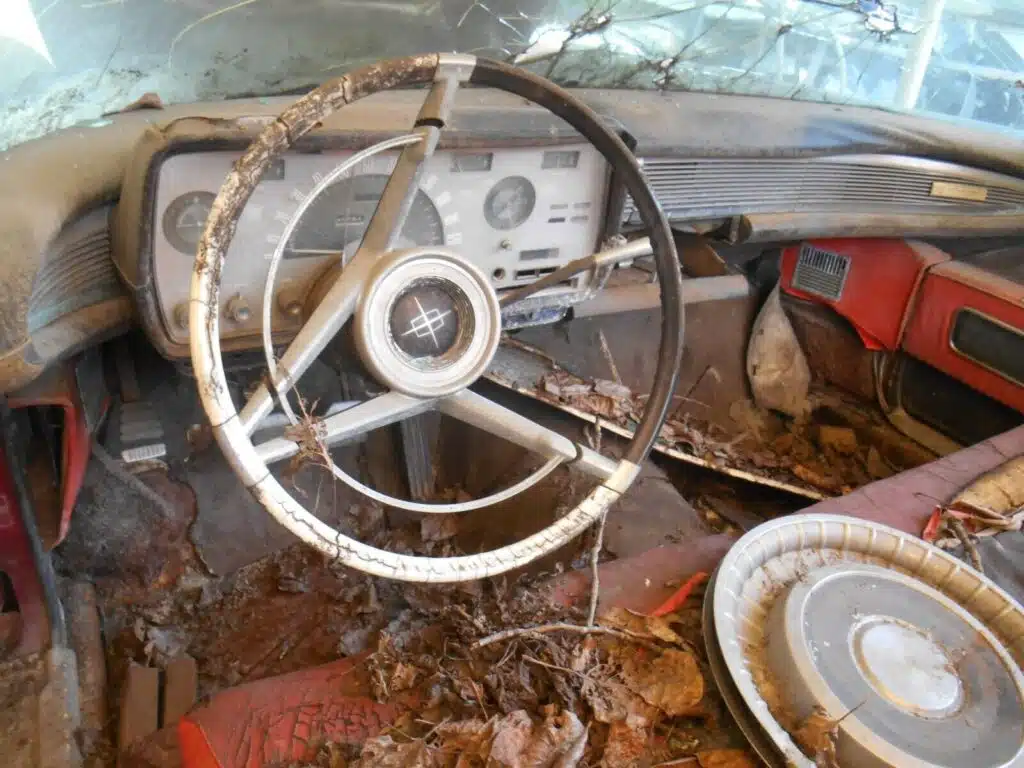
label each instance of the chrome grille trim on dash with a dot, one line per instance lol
(696, 188)
(820, 272)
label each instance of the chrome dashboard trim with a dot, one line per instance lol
(707, 187)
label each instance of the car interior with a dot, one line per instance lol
(325, 401)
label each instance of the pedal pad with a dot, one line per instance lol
(140, 432)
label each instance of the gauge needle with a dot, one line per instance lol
(509, 205)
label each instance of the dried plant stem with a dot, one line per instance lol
(509, 634)
(607, 352)
(958, 529)
(595, 578)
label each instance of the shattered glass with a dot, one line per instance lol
(67, 61)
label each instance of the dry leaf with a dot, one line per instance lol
(438, 527)
(655, 627)
(469, 739)
(1000, 490)
(612, 389)
(627, 743)
(610, 700)
(816, 736)
(671, 681)
(817, 479)
(842, 440)
(403, 677)
(877, 466)
(557, 742)
(725, 758)
(384, 752)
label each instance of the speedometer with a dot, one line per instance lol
(337, 219)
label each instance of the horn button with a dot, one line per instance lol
(428, 318)
(428, 323)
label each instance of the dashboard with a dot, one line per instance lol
(81, 210)
(518, 213)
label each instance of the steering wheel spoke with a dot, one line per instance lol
(321, 434)
(381, 236)
(385, 226)
(330, 315)
(485, 414)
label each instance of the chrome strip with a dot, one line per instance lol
(701, 187)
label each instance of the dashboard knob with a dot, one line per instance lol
(289, 301)
(237, 310)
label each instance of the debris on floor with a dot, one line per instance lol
(992, 504)
(841, 445)
(633, 690)
(494, 675)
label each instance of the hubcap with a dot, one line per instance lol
(428, 323)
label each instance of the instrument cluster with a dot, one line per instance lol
(517, 213)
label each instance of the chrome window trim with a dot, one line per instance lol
(995, 321)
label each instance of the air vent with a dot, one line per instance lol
(715, 187)
(821, 273)
(77, 272)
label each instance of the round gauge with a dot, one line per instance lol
(185, 219)
(510, 202)
(337, 219)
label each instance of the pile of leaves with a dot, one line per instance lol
(839, 447)
(631, 691)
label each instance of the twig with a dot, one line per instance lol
(607, 352)
(584, 675)
(479, 699)
(697, 382)
(537, 632)
(685, 399)
(957, 527)
(595, 579)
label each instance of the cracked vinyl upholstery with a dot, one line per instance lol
(284, 719)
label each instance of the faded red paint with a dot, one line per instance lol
(880, 286)
(17, 562)
(946, 289)
(61, 390)
(284, 719)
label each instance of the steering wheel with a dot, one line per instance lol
(427, 323)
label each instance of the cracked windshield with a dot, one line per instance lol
(64, 62)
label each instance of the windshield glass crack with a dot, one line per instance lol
(67, 61)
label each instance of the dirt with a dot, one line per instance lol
(840, 446)
(557, 699)
(549, 699)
